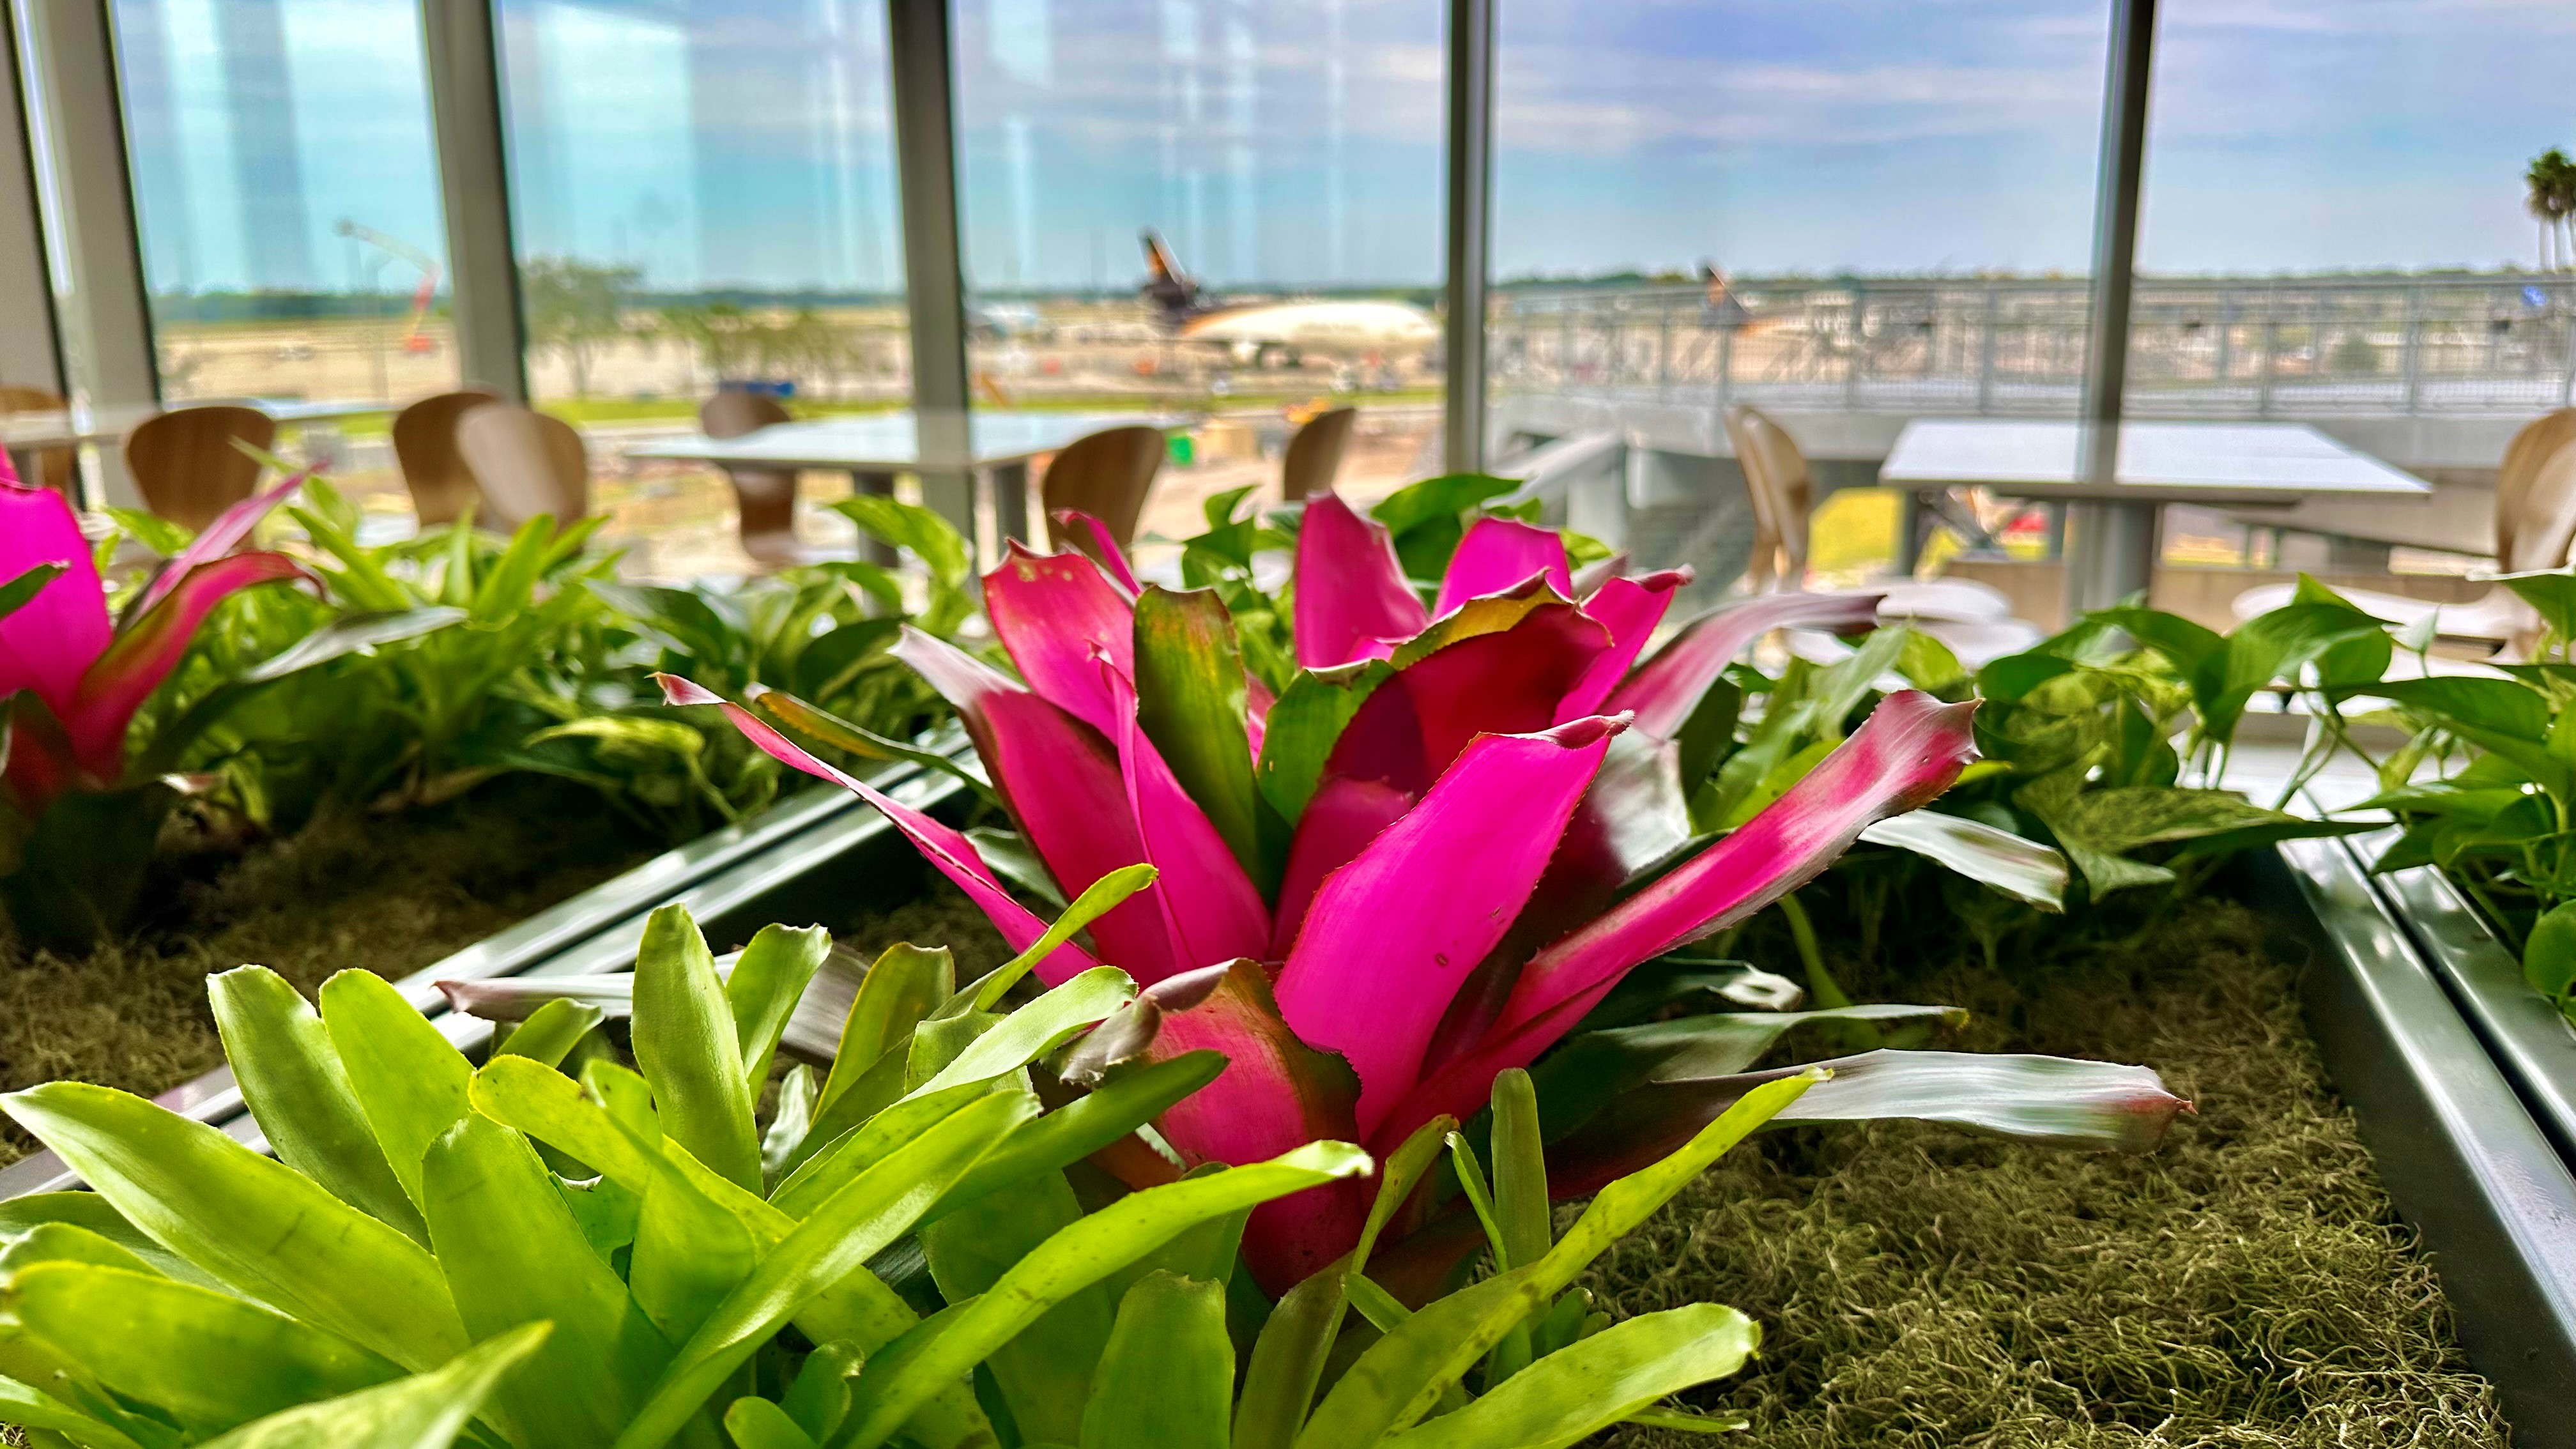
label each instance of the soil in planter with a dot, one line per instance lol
(391, 894)
(2245, 1285)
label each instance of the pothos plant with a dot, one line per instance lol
(2484, 787)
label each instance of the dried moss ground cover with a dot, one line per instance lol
(391, 894)
(2246, 1285)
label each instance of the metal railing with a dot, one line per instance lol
(2198, 348)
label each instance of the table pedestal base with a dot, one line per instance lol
(2110, 552)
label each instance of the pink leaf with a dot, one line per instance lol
(119, 680)
(1061, 781)
(1351, 592)
(951, 853)
(1505, 683)
(1211, 910)
(1629, 608)
(1665, 689)
(49, 640)
(1340, 821)
(1104, 549)
(1276, 1093)
(1497, 554)
(1393, 934)
(1908, 751)
(1059, 616)
(230, 528)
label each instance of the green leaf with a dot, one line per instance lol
(821, 1394)
(507, 588)
(1404, 1374)
(1190, 702)
(854, 1225)
(1520, 1168)
(905, 985)
(1043, 1373)
(867, 744)
(210, 1359)
(689, 1253)
(15, 594)
(1085, 1125)
(1096, 900)
(1167, 1378)
(930, 537)
(790, 1124)
(2025, 870)
(20, 1216)
(257, 1225)
(1037, 1028)
(299, 1093)
(34, 1410)
(687, 1047)
(767, 982)
(407, 1077)
(552, 1030)
(425, 1411)
(1304, 725)
(513, 1254)
(902, 1378)
(2549, 952)
(756, 1423)
(1567, 1396)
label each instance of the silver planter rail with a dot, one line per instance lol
(2423, 1041)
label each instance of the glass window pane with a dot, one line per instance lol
(1288, 154)
(703, 196)
(287, 197)
(2337, 230)
(1842, 212)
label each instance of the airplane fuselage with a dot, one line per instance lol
(1316, 326)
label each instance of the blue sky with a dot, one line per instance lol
(1296, 142)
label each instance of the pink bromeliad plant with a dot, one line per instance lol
(75, 825)
(1452, 833)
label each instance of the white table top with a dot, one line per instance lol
(109, 424)
(2233, 463)
(891, 442)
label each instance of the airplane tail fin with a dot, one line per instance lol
(1166, 285)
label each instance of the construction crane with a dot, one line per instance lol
(414, 340)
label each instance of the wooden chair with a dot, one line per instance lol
(526, 463)
(1315, 454)
(425, 445)
(764, 498)
(186, 466)
(2535, 525)
(52, 467)
(1783, 490)
(1107, 475)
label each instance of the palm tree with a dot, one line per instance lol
(2550, 196)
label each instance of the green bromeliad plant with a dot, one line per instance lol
(557, 1249)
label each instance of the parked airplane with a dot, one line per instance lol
(1262, 332)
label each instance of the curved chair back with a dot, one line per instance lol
(2531, 447)
(1783, 493)
(1315, 454)
(764, 498)
(53, 466)
(526, 463)
(730, 414)
(184, 463)
(1107, 475)
(425, 446)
